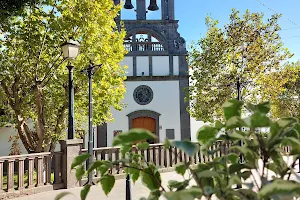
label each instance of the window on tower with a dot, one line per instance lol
(143, 42)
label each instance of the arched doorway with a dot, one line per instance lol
(145, 123)
(146, 119)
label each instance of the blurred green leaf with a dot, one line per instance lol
(188, 194)
(263, 108)
(279, 187)
(206, 133)
(257, 120)
(232, 108)
(84, 192)
(188, 147)
(79, 160)
(151, 178)
(167, 143)
(62, 195)
(107, 183)
(181, 169)
(142, 146)
(79, 172)
(132, 136)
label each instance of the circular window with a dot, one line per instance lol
(143, 95)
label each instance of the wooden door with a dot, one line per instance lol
(145, 123)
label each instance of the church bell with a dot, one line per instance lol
(153, 5)
(128, 4)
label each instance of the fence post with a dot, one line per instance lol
(70, 149)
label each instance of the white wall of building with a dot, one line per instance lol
(176, 65)
(128, 61)
(5, 133)
(160, 66)
(142, 63)
(165, 101)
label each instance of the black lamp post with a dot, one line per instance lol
(90, 71)
(70, 51)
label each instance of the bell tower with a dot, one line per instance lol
(157, 75)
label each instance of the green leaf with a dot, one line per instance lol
(232, 108)
(62, 194)
(101, 166)
(154, 195)
(234, 180)
(181, 169)
(142, 146)
(206, 133)
(167, 143)
(151, 178)
(257, 120)
(248, 153)
(125, 148)
(207, 174)
(178, 185)
(279, 187)
(79, 160)
(188, 147)
(79, 172)
(132, 136)
(134, 172)
(107, 183)
(188, 194)
(233, 158)
(234, 122)
(286, 122)
(219, 125)
(263, 108)
(84, 192)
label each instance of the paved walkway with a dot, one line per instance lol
(138, 191)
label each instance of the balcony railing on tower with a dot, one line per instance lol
(143, 46)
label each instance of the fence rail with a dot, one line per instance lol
(33, 173)
(28, 173)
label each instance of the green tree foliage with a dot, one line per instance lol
(288, 103)
(34, 77)
(12, 7)
(217, 178)
(248, 48)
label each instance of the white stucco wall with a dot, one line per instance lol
(5, 133)
(165, 101)
(175, 65)
(160, 65)
(142, 63)
(128, 61)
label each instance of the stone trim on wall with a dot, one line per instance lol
(156, 78)
(145, 113)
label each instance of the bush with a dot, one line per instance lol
(220, 177)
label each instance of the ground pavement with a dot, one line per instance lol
(138, 190)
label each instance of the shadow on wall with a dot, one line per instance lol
(5, 133)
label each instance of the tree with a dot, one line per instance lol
(265, 173)
(34, 77)
(12, 7)
(247, 50)
(288, 103)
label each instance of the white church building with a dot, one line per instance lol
(157, 79)
(157, 76)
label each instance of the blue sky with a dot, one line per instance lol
(191, 15)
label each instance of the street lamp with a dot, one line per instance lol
(90, 71)
(70, 51)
